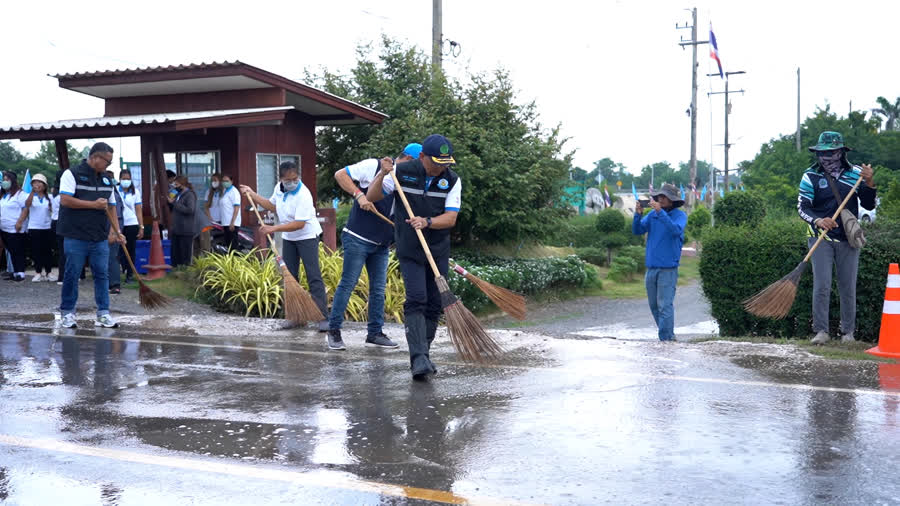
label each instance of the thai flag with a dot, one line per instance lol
(608, 200)
(714, 51)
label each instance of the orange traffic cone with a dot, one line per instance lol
(157, 267)
(889, 338)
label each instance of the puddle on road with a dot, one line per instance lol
(623, 332)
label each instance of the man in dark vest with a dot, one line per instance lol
(434, 193)
(365, 239)
(85, 194)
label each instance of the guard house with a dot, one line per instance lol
(231, 118)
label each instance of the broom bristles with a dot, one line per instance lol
(775, 301)
(151, 299)
(299, 305)
(508, 301)
(467, 335)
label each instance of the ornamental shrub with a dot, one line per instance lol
(740, 208)
(698, 221)
(636, 253)
(596, 256)
(623, 269)
(738, 262)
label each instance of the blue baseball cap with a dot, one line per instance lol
(413, 149)
(439, 149)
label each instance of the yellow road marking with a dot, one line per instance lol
(320, 478)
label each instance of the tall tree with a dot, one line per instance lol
(891, 112)
(47, 153)
(9, 154)
(513, 168)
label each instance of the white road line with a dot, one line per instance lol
(592, 372)
(318, 478)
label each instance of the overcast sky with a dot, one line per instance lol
(610, 71)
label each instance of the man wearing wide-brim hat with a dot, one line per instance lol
(816, 204)
(664, 226)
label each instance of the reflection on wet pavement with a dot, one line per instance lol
(112, 419)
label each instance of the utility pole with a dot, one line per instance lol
(437, 36)
(693, 43)
(727, 112)
(798, 110)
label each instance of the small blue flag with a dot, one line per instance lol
(721, 192)
(26, 185)
(703, 193)
(335, 202)
(682, 190)
(634, 192)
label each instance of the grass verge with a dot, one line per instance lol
(834, 350)
(688, 272)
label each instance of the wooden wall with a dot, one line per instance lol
(236, 99)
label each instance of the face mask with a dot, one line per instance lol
(290, 185)
(226, 184)
(6, 185)
(831, 161)
(172, 185)
(126, 183)
(215, 184)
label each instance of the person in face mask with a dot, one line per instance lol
(816, 205)
(133, 217)
(230, 209)
(299, 229)
(212, 209)
(184, 205)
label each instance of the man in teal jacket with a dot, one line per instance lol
(664, 226)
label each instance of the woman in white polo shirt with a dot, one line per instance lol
(212, 207)
(230, 207)
(40, 214)
(299, 229)
(132, 217)
(13, 217)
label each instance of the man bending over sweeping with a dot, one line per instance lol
(434, 193)
(664, 226)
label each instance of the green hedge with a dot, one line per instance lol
(737, 262)
(740, 208)
(528, 276)
(596, 256)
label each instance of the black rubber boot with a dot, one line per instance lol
(416, 339)
(430, 331)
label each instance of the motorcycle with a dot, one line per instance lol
(217, 238)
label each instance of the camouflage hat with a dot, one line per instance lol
(829, 141)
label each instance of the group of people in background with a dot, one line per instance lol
(28, 222)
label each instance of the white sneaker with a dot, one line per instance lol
(821, 338)
(37, 278)
(51, 278)
(68, 321)
(106, 321)
(848, 338)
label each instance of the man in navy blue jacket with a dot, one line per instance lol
(664, 226)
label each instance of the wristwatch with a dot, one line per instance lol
(429, 223)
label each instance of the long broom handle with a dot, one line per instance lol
(836, 214)
(425, 247)
(114, 223)
(383, 217)
(258, 217)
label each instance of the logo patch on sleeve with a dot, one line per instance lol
(106, 181)
(443, 184)
(823, 183)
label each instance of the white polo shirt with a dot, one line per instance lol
(231, 198)
(10, 209)
(215, 209)
(297, 205)
(55, 215)
(39, 214)
(129, 200)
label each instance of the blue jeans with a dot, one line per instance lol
(113, 270)
(359, 253)
(661, 285)
(77, 253)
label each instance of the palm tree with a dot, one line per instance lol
(891, 112)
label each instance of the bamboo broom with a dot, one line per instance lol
(775, 300)
(147, 297)
(466, 333)
(299, 306)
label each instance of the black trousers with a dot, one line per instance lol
(422, 295)
(15, 243)
(182, 249)
(42, 249)
(131, 233)
(307, 250)
(231, 238)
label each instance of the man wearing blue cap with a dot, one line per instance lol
(365, 239)
(434, 194)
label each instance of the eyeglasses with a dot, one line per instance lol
(107, 160)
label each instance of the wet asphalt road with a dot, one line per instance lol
(116, 418)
